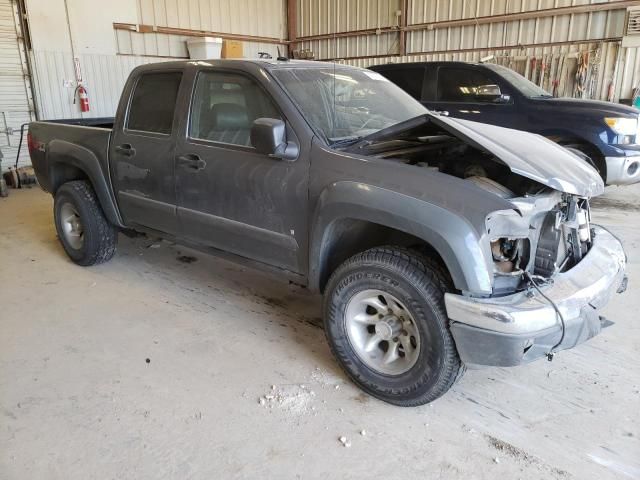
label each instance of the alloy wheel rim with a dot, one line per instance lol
(382, 332)
(72, 227)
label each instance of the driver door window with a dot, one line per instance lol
(460, 84)
(225, 106)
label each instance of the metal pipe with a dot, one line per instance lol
(481, 49)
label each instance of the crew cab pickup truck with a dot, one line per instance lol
(438, 243)
(607, 134)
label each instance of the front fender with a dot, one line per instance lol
(455, 239)
(61, 153)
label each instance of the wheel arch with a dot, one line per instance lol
(573, 140)
(348, 222)
(68, 161)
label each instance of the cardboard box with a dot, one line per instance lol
(232, 49)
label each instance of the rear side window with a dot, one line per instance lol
(408, 79)
(154, 102)
(460, 84)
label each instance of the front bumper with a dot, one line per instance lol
(623, 170)
(519, 328)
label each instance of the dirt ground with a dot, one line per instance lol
(168, 364)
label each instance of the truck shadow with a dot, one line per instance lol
(191, 281)
(195, 281)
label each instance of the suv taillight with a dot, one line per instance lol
(31, 145)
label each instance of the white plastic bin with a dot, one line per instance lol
(202, 48)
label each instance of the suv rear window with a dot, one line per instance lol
(153, 102)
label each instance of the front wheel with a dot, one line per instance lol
(386, 324)
(85, 233)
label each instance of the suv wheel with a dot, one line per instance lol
(85, 233)
(386, 324)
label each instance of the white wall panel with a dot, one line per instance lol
(163, 45)
(103, 75)
(91, 24)
(265, 18)
(107, 56)
(261, 18)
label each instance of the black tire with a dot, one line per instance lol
(99, 237)
(590, 155)
(416, 283)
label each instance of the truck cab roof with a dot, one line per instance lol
(266, 63)
(390, 66)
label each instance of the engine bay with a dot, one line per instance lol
(452, 156)
(549, 233)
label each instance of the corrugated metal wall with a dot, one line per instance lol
(471, 42)
(104, 75)
(263, 18)
(15, 97)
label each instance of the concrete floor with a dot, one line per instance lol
(153, 366)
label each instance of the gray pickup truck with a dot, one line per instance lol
(437, 243)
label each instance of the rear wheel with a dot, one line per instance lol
(84, 232)
(386, 324)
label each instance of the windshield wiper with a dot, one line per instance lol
(345, 142)
(390, 131)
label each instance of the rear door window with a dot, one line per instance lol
(460, 84)
(154, 102)
(409, 79)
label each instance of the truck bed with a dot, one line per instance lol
(65, 137)
(98, 122)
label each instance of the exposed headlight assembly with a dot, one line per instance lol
(622, 126)
(508, 233)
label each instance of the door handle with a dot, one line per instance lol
(191, 161)
(126, 149)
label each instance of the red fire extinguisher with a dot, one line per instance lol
(84, 98)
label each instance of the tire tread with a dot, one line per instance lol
(432, 281)
(104, 234)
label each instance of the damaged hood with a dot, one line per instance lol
(526, 154)
(530, 155)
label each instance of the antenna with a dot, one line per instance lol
(280, 57)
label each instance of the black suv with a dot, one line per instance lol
(607, 133)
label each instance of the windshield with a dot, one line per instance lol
(345, 104)
(524, 86)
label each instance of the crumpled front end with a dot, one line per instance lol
(546, 316)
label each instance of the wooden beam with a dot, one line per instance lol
(141, 28)
(350, 33)
(404, 14)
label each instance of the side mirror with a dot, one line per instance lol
(268, 136)
(491, 93)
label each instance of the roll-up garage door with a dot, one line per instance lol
(15, 92)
